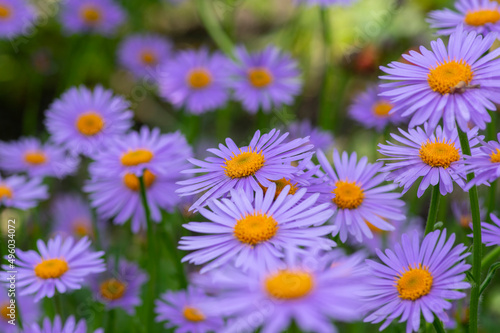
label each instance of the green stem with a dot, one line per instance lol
(438, 325)
(151, 257)
(327, 114)
(490, 258)
(97, 236)
(57, 305)
(111, 321)
(172, 250)
(477, 243)
(213, 27)
(433, 209)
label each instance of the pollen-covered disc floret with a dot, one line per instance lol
(193, 314)
(289, 284)
(51, 268)
(112, 289)
(244, 164)
(348, 195)
(134, 157)
(439, 153)
(414, 282)
(255, 228)
(449, 76)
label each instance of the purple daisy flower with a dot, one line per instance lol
(265, 159)
(37, 159)
(481, 16)
(485, 163)
(195, 81)
(373, 111)
(416, 279)
(18, 192)
(72, 216)
(265, 79)
(310, 289)
(437, 157)
(318, 138)
(69, 326)
(355, 189)
(8, 311)
(327, 3)
(189, 310)
(254, 230)
(84, 121)
(60, 265)
(455, 83)
(95, 16)
(491, 232)
(120, 287)
(143, 54)
(462, 212)
(16, 18)
(114, 185)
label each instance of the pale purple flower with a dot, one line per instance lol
(72, 216)
(484, 163)
(319, 138)
(58, 326)
(8, 310)
(21, 193)
(491, 231)
(16, 18)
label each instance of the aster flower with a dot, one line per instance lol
(254, 230)
(485, 163)
(69, 326)
(462, 212)
(16, 18)
(30, 155)
(373, 111)
(143, 54)
(416, 278)
(195, 81)
(72, 216)
(84, 121)
(18, 192)
(265, 79)
(61, 265)
(310, 289)
(189, 310)
(437, 157)
(8, 311)
(481, 16)
(114, 185)
(120, 287)
(355, 189)
(265, 159)
(327, 3)
(318, 138)
(491, 232)
(95, 16)
(455, 83)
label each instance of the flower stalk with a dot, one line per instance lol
(433, 209)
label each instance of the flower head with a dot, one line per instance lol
(84, 121)
(416, 278)
(31, 156)
(264, 160)
(318, 138)
(255, 230)
(462, 212)
(144, 54)
(265, 80)
(355, 189)
(61, 265)
(491, 232)
(58, 326)
(95, 16)
(437, 157)
(10, 309)
(195, 81)
(18, 192)
(72, 216)
(454, 83)
(481, 16)
(484, 163)
(16, 18)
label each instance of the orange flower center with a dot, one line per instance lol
(5, 12)
(260, 77)
(481, 17)
(193, 314)
(51, 268)
(439, 154)
(382, 108)
(448, 75)
(199, 78)
(289, 284)
(149, 58)
(112, 289)
(35, 157)
(280, 185)
(5, 191)
(255, 229)
(136, 157)
(90, 123)
(414, 282)
(348, 195)
(495, 156)
(91, 14)
(244, 164)
(5, 311)
(132, 181)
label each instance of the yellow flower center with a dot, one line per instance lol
(280, 185)
(448, 75)
(199, 78)
(51, 268)
(495, 156)
(414, 282)
(35, 157)
(91, 14)
(481, 17)
(5, 311)
(244, 164)
(5, 191)
(465, 220)
(193, 314)
(439, 154)
(256, 228)
(382, 108)
(5, 12)
(348, 195)
(136, 157)
(112, 289)
(90, 123)
(260, 77)
(288, 284)
(81, 228)
(132, 181)
(149, 58)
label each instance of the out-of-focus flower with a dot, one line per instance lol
(18, 192)
(37, 159)
(58, 326)
(416, 278)
(462, 212)
(195, 81)
(318, 138)
(9, 311)
(84, 121)
(72, 216)
(16, 18)
(265, 80)
(491, 232)
(484, 163)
